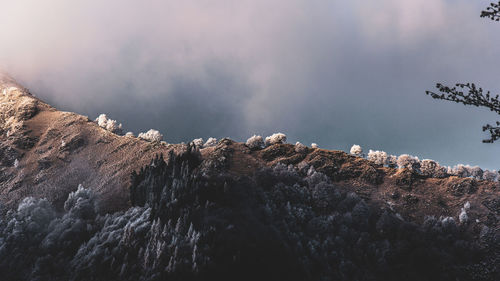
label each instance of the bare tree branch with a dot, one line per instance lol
(471, 96)
(492, 12)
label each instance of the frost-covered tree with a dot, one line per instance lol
(461, 170)
(314, 145)
(428, 167)
(130, 135)
(356, 150)
(300, 148)
(113, 126)
(275, 139)
(431, 168)
(467, 206)
(392, 161)
(409, 162)
(378, 157)
(151, 135)
(102, 120)
(255, 142)
(198, 142)
(490, 175)
(109, 124)
(476, 172)
(210, 142)
(463, 217)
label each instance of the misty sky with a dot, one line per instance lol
(325, 71)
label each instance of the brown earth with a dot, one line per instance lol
(33, 133)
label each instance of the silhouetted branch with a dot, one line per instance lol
(474, 96)
(494, 132)
(492, 12)
(471, 96)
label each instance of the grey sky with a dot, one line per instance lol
(330, 72)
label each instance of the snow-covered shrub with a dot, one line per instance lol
(198, 143)
(275, 139)
(378, 157)
(16, 163)
(428, 167)
(102, 120)
(431, 168)
(490, 175)
(356, 150)
(476, 172)
(448, 222)
(151, 135)
(463, 217)
(449, 170)
(408, 161)
(467, 171)
(81, 203)
(467, 206)
(130, 135)
(210, 142)
(314, 145)
(300, 148)
(255, 142)
(392, 161)
(461, 170)
(113, 126)
(33, 215)
(109, 124)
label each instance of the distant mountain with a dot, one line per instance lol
(224, 211)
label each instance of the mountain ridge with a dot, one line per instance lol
(56, 151)
(226, 204)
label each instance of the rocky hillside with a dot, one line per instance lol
(227, 211)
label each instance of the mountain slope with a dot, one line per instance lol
(56, 151)
(224, 212)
